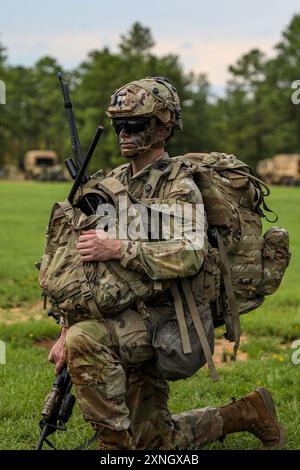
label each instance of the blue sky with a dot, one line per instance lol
(207, 35)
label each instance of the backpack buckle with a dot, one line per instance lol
(87, 295)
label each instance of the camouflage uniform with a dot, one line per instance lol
(111, 362)
(114, 361)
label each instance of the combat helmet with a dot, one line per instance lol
(153, 97)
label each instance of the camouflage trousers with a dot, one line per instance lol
(112, 367)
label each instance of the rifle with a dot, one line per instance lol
(57, 409)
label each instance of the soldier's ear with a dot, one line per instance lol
(164, 132)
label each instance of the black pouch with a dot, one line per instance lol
(172, 363)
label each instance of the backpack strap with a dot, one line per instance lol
(87, 293)
(152, 182)
(85, 191)
(175, 170)
(114, 188)
(177, 164)
(199, 327)
(186, 344)
(68, 210)
(234, 333)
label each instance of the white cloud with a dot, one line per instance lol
(211, 56)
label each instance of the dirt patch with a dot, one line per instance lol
(43, 343)
(224, 352)
(38, 306)
(17, 314)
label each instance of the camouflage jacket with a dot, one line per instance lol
(165, 180)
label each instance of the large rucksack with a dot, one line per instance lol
(243, 264)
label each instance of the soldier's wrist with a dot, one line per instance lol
(117, 250)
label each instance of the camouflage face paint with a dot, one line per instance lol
(138, 142)
(131, 144)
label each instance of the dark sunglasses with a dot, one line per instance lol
(131, 126)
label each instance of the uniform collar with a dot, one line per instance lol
(146, 169)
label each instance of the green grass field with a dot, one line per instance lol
(27, 376)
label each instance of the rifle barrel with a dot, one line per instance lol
(43, 436)
(86, 161)
(75, 143)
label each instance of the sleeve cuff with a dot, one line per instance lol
(129, 251)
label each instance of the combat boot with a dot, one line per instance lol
(109, 439)
(256, 414)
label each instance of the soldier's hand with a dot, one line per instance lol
(57, 354)
(96, 245)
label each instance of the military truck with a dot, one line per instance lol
(281, 169)
(43, 165)
(264, 170)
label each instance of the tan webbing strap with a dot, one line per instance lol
(166, 189)
(186, 345)
(230, 294)
(93, 191)
(114, 188)
(175, 170)
(92, 220)
(68, 209)
(199, 328)
(86, 292)
(150, 186)
(69, 214)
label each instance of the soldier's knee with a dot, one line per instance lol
(84, 338)
(93, 360)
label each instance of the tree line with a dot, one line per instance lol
(254, 119)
